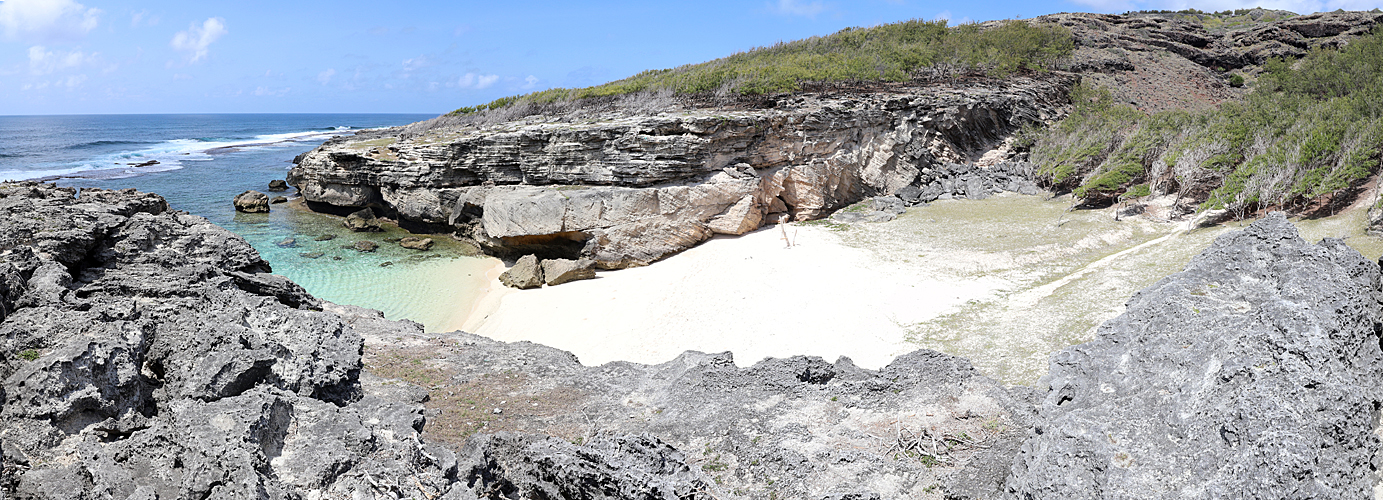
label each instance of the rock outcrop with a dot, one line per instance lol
(1160, 61)
(147, 353)
(253, 202)
(626, 190)
(1254, 373)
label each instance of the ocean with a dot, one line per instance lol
(200, 162)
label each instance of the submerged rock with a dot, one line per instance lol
(362, 221)
(525, 274)
(416, 243)
(278, 199)
(252, 202)
(365, 246)
(1253, 373)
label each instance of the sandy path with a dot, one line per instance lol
(749, 295)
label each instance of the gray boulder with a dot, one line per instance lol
(278, 185)
(558, 271)
(278, 199)
(524, 275)
(1251, 374)
(362, 221)
(365, 246)
(252, 202)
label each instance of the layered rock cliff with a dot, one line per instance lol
(628, 189)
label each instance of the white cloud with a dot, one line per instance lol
(530, 82)
(798, 8)
(416, 64)
(46, 20)
(143, 18)
(196, 39)
(43, 61)
(266, 91)
(325, 76)
(474, 81)
(72, 82)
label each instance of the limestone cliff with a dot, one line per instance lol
(628, 189)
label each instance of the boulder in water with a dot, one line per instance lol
(252, 202)
(278, 185)
(362, 221)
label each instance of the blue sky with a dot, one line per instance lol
(97, 56)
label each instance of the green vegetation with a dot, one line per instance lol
(28, 355)
(891, 52)
(1310, 129)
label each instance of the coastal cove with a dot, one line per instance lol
(205, 160)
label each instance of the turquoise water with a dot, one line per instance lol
(205, 160)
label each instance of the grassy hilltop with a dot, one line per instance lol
(891, 52)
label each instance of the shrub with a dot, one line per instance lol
(1309, 129)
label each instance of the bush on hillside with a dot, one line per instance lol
(1309, 129)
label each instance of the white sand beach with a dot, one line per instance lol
(751, 295)
(1003, 282)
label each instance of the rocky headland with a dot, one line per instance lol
(629, 181)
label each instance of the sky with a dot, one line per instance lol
(347, 56)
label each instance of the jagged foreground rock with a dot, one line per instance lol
(799, 427)
(626, 189)
(1254, 373)
(148, 354)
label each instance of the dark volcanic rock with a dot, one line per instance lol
(529, 466)
(1254, 373)
(525, 274)
(148, 354)
(252, 202)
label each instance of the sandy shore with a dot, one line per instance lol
(750, 295)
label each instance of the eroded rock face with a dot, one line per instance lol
(626, 190)
(148, 354)
(1254, 373)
